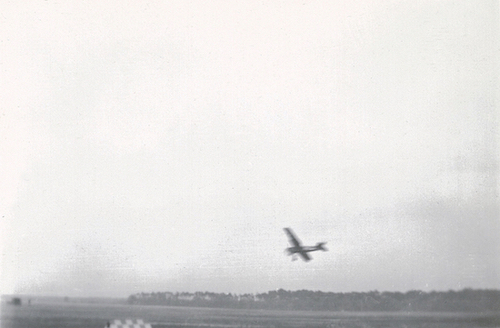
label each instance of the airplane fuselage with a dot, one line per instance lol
(294, 249)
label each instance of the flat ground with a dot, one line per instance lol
(81, 315)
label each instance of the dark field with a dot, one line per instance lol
(81, 315)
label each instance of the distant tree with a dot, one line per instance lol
(132, 299)
(465, 300)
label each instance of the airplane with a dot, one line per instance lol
(301, 250)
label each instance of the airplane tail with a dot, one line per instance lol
(320, 246)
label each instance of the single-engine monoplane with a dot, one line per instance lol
(297, 248)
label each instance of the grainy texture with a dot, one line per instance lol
(79, 315)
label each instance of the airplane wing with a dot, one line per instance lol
(305, 256)
(293, 240)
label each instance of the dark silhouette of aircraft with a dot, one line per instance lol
(297, 248)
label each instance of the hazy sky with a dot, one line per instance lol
(163, 146)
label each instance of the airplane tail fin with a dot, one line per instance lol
(321, 246)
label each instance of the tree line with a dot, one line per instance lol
(466, 300)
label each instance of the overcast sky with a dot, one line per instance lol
(163, 146)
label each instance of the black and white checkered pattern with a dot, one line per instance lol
(129, 324)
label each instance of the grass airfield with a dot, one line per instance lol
(85, 315)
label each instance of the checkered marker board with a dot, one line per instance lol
(129, 324)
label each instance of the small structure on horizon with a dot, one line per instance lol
(138, 323)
